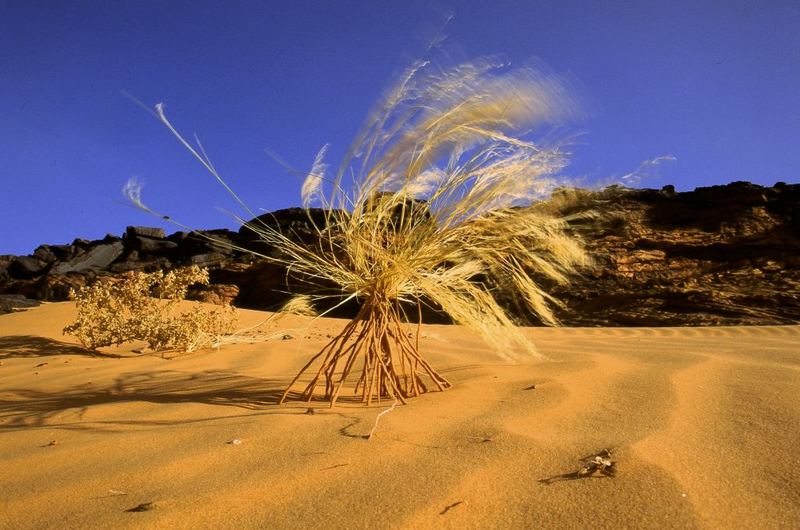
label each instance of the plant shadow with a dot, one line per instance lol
(23, 408)
(36, 346)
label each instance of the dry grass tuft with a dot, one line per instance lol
(142, 307)
(443, 200)
(300, 305)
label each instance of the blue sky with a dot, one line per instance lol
(714, 84)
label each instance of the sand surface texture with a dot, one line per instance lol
(703, 424)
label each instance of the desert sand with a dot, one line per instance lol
(703, 424)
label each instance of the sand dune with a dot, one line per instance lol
(703, 423)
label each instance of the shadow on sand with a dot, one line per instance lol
(570, 476)
(35, 346)
(25, 409)
(21, 408)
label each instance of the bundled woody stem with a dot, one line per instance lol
(390, 363)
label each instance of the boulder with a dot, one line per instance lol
(218, 294)
(297, 223)
(25, 267)
(146, 245)
(147, 240)
(203, 242)
(50, 287)
(82, 244)
(15, 302)
(98, 258)
(144, 231)
(45, 254)
(212, 259)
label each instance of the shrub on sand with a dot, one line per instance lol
(441, 199)
(142, 307)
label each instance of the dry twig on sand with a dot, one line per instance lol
(591, 465)
(600, 462)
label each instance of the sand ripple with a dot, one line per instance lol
(703, 423)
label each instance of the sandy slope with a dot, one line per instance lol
(704, 424)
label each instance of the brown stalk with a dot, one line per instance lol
(391, 366)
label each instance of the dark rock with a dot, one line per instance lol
(96, 259)
(50, 287)
(82, 244)
(144, 231)
(25, 267)
(262, 285)
(146, 245)
(205, 242)
(63, 252)
(45, 254)
(178, 237)
(219, 241)
(147, 240)
(133, 263)
(207, 260)
(5, 261)
(15, 302)
(219, 294)
(296, 223)
(125, 266)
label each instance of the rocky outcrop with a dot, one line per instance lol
(713, 256)
(721, 255)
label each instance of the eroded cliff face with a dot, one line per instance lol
(721, 255)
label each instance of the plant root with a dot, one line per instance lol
(391, 366)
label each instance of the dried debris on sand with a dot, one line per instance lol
(591, 465)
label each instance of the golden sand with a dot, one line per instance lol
(703, 424)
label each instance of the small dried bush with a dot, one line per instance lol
(143, 307)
